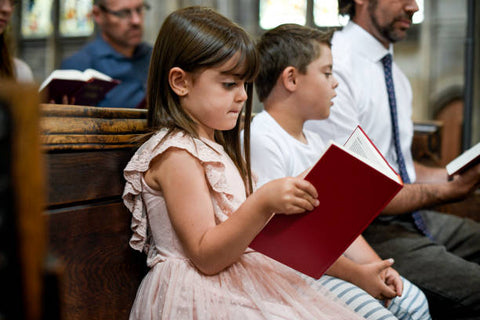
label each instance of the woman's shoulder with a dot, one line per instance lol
(23, 73)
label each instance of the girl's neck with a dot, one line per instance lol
(206, 133)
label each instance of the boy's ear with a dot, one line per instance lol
(289, 78)
(179, 81)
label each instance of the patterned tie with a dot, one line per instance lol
(387, 65)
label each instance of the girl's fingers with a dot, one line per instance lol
(307, 187)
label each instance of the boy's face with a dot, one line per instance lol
(316, 88)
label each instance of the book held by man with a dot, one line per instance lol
(354, 183)
(464, 161)
(85, 88)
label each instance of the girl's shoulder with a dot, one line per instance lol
(162, 141)
(208, 153)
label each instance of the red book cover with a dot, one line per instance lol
(351, 193)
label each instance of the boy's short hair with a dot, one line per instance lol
(287, 45)
(346, 8)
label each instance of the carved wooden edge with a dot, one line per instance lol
(29, 183)
(63, 110)
(71, 127)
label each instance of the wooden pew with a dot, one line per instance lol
(86, 150)
(22, 225)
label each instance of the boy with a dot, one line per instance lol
(296, 84)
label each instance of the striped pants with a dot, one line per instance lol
(412, 305)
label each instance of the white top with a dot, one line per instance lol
(275, 153)
(23, 73)
(362, 96)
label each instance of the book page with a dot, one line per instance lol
(360, 144)
(92, 73)
(464, 159)
(69, 74)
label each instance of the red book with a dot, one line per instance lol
(354, 183)
(86, 88)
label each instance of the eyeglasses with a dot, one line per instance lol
(125, 13)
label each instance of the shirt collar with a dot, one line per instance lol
(366, 44)
(102, 48)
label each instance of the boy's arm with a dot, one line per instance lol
(361, 252)
(369, 277)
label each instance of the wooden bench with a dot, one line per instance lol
(22, 227)
(70, 206)
(86, 150)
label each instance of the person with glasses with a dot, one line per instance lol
(10, 67)
(118, 51)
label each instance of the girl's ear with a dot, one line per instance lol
(289, 78)
(179, 81)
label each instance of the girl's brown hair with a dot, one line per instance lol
(193, 39)
(6, 61)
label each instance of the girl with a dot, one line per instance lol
(10, 67)
(187, 187)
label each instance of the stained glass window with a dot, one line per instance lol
(36, 18)
(276, 12)
(75, 18)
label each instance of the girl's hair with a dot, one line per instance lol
(6, 61)
(193, 39)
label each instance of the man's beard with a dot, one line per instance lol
(388, 32)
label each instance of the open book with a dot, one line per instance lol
(464, 161)
(85, 88)
(354, 183)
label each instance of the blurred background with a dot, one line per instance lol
(435, 56)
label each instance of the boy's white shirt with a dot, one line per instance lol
(276, 154)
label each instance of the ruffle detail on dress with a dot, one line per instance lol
(205, 151)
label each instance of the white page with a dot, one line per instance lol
(463, 159)
(64, 74)
(360, 145)
(92, 73)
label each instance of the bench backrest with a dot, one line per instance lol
(86, 150)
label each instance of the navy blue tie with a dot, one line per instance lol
(387, 66)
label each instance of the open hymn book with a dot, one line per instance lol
(354, 183)
(464, 161)
(86, 88)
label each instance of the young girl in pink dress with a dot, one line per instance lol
(189, 188)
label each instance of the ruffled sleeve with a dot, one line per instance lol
(209, 155)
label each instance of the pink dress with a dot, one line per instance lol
(255, 287)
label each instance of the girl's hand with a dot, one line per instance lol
(288, 196)
(379, 280)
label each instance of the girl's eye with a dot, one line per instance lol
(328, 74)
(229, 85)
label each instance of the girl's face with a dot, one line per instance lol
(214, 98)
(6, 9)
